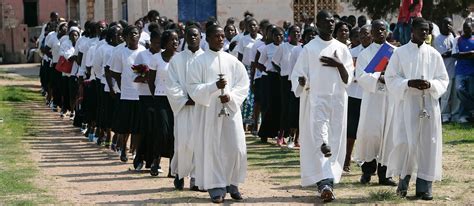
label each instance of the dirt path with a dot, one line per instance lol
(75, 171)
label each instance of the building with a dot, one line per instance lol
(21, 20)
(200, 10)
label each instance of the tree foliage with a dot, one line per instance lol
(432, 9)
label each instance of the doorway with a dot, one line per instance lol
(30, 12)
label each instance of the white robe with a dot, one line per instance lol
(328, 112)
(417, 142)
(185, 117)
(220, 150)
(374, 136)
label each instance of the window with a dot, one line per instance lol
(301, 8)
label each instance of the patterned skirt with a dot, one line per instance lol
(247, 106)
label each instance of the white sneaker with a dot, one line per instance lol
(160, 171)
(463, 120)
(445, 120)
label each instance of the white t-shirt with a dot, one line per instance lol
(67, 51)
(145, 57)
(144, 38)
(122, 63)
(161, 68)
(266, 56)
(53, 42)
(108, 56)
(282, 58)
(244, 47)
(354, 90)
(295, 53)
(253, 53)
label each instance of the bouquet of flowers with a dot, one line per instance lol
(141, 70)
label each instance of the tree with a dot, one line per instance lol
(432, 9)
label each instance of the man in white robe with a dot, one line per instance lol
(220, 150)
(374, 137)
(327, 65)
(185, 113)
(417, 77)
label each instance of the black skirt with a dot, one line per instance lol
(110, 103)
(285, 89)
(353, 114)
(157, 124)
(270, 105)
(100, 103)
(127, 117)
(257, 97)
(90, 101)
(294, 111)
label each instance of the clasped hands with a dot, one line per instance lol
(419, 84)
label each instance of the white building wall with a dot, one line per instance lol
(99, 10)
(82, 11)
(168, 8)
(275, 11)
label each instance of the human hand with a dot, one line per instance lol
(224, 98)
(419, 84)
(302, 81)
(221, 83)
(331, 61)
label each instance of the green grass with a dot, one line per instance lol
(458, 133)
(383, 195)
(17, 171)
(17, 94)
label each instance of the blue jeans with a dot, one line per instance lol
(465, 93)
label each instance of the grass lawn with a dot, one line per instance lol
(17, 171)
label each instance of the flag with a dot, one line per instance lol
(380, 60)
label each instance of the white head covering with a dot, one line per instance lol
(74, 28)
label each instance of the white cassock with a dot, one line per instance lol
(220, 150)
(328, 110)
(417, 142)
(302, 93)
(374, 134)
(185, 117)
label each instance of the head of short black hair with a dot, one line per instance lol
(323, 14)
(166, 37)
(293, 28)
(309, 30)
(211, 23)
(263, 23)
(111, 32)
(212, 29)
(171, 26)
(354, 31)
(53, 14)
(418, 21)
(248, 13)
(228, 26)
(128, 30)
(153, 26)
(152, 13)
(123, 23)
(192, 26)
(72, 23)
(339, 26)
(155, 34)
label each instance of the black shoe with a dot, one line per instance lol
(402, 193)
(326, 150)
(326, 194)
(263, 139)
(178, 183)
(217, 199)
(387, 181)
(123, 157)
(365, 179)
(154, 169)
(236, 196)
(196, 188)
(424, 195)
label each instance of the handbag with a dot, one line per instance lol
(64, 65)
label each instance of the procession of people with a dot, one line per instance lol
(192, 92)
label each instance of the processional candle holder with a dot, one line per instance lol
(224, 111)
(423, 113)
